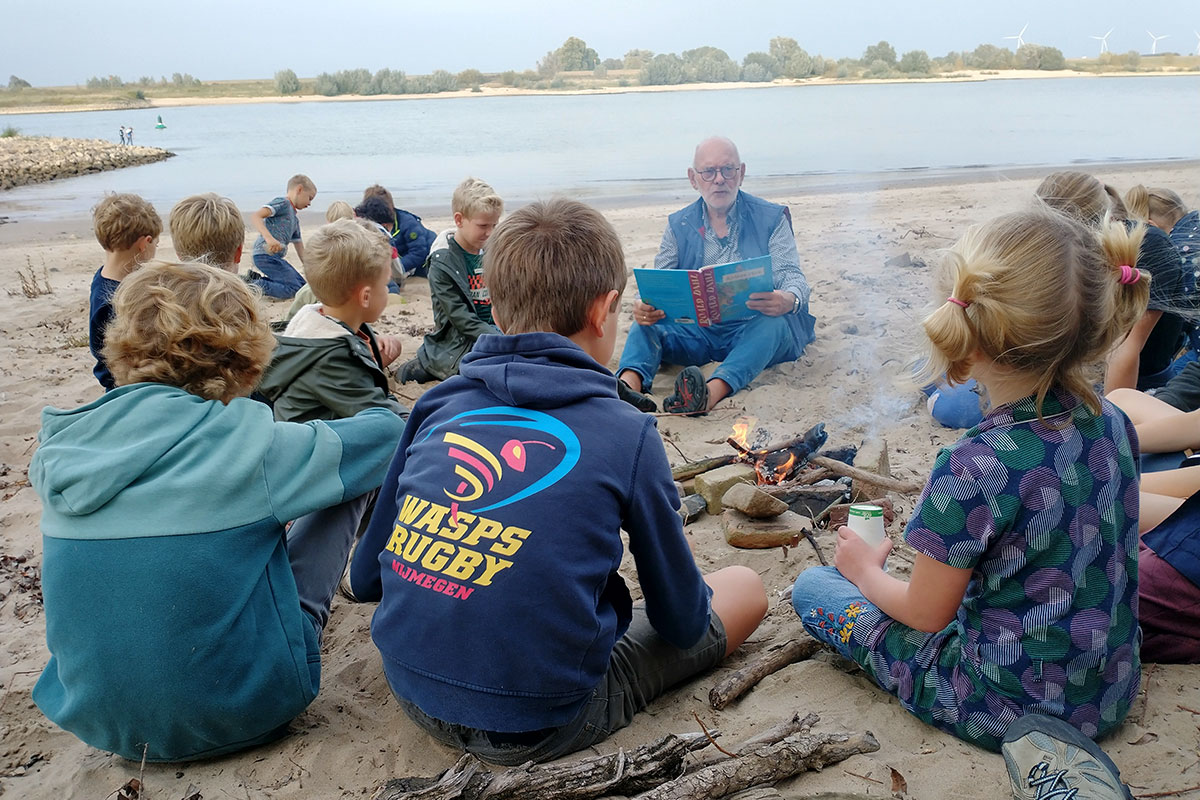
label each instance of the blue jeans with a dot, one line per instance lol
(318, 546)
(744, 348)
(280, 279)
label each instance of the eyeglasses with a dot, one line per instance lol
(709, 175)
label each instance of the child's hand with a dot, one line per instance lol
(389, 348)
(273, 245)
(854, 558)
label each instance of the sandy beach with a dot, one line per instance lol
(586, 85)
(353, 738)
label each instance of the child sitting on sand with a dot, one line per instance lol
(208, 228)
(1023, 594)
(127, 227)
(462, 307)
(410, 238)
(278, 226)
(180, 625)
(504, 625)
(329, 363)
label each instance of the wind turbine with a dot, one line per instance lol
(1104, 40)
(1156, 40)
(1019, 37)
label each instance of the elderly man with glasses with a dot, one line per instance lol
(725, 224)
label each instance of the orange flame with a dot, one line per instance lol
(741, 430)
(783, 470)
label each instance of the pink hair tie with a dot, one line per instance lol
(957, 302)
(1129, 274)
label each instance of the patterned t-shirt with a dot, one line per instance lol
(1045, 514)
(481, 298)
(283, 224)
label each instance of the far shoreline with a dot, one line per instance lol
(960, 76)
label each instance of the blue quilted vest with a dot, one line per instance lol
(757, 220)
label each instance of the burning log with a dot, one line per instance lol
(778, 462)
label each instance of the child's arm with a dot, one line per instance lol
(1122, 372)
(412, 241)
(299, 245)
(315, 465)
(928, 602)
(364, 566)
(257, 219)
(677, 598)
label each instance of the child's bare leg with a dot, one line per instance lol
(1181, 483)
(739, 600)
(1154, 508)
(1141, 407)
(1161, 427)
(718, 390)
(631, 379)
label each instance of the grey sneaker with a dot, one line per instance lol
(1049, 759)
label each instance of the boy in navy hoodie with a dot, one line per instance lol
(504, 626)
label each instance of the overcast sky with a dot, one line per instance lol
(55, 42)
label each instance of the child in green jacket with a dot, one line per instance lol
(462, 307)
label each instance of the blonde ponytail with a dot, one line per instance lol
(1044, 298)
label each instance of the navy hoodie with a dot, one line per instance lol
(495, 542)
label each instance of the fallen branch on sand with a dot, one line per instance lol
(656, 771)
(767, 764)
(774, 659)
(863, 476)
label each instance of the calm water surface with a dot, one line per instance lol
(621, 147)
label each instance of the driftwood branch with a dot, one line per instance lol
(887, 483)
(624, 772)
(691, 469)
(796, 724)
(774, 659)
(767, 764)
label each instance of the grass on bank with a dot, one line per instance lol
(137, 95)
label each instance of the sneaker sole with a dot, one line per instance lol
(1036, 739)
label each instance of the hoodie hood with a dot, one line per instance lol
(87, 455)
(526, 370)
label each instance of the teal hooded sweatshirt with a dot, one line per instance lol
(172, 616)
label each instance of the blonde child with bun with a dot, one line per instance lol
(1022, 598)
(339, 209)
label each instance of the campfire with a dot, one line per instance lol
(776, 463)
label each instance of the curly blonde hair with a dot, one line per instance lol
(119, 220)
(1044, 297)
(188, 325)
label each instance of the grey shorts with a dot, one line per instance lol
(643, 667)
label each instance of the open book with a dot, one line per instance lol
(705, 296)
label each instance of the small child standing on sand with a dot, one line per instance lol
(127, 227)
(1023, 596)
(277, 227)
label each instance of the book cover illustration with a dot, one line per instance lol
(706, 296)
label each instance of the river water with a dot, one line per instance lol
(622, 147)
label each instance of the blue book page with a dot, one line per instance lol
(669, 290)
(736, 281)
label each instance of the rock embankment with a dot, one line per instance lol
(35, 159)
